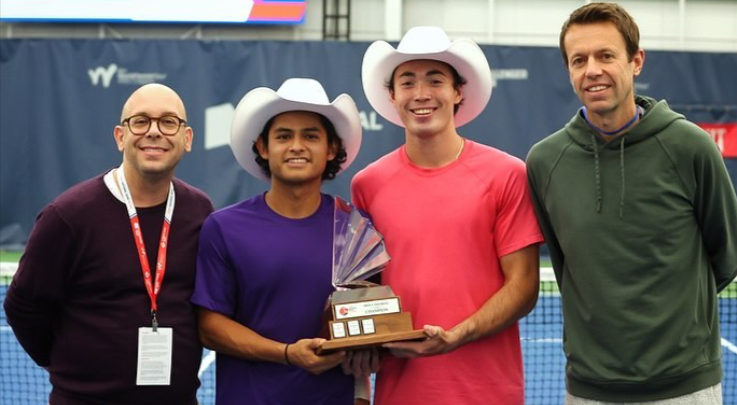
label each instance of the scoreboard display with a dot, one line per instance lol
(154, 11)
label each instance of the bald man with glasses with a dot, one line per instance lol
(101, 295)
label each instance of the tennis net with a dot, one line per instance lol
(22, 382)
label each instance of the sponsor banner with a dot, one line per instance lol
(103, 76)
(725, 136)
(367, 308)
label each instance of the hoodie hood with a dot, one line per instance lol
(655, 118)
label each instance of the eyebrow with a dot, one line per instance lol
(284, 129)
(429, 73)
(434, 72)
(164, 114)
(604, 48)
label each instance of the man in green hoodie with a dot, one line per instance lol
(638, 267)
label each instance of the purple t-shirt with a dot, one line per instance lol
(273, 275)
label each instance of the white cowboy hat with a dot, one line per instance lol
(259, 105)
(463, 55)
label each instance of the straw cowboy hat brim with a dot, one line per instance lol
(259, 105)
(464, 55)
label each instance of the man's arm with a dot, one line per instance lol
(715, 206)
(31, 321)
(37, 291)
(551, 240)
(224, 335)
(514, 300)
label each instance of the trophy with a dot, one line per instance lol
(359, 313)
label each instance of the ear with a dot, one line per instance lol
(188, 135)
(118, 134)
(262, 150)
(639, 60)
(332, 151)
(459, 95)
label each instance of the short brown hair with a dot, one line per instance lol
(604, 12)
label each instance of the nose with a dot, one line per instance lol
(422, 91)
(297, 144)
(153, 129)
(593, 69)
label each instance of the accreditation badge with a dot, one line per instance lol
(154, 356)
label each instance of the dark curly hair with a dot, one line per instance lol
(333, 166)
(458, 81)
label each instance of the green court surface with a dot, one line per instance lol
(10, 256)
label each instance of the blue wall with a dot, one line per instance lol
(60, 99)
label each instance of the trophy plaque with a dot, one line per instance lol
(360, 314)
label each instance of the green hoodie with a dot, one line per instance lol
(642, 232)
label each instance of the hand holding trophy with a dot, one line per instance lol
(359, 313)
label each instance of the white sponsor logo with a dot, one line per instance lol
(104, 75)
(641, 87)
(217, 125)
(508, 74)
(368, 121)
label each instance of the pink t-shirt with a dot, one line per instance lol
(445, 230)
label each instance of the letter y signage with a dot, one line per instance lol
(106, 74)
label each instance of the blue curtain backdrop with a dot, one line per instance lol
(60, 99)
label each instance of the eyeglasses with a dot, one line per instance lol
(167, 124)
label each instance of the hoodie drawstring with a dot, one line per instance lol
(621, 173)
(596, 172)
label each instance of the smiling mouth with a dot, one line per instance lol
(422, 111)
(595, 89)
(296, 160)
(154, 149)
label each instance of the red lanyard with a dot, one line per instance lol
(152, 288)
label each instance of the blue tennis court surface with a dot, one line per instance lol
(21, 382)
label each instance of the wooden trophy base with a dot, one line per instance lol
(363, 342)
(386, 328)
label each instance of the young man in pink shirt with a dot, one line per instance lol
(458, 222)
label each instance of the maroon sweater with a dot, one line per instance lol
(78, 298)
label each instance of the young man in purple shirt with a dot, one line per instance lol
(264, 264)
